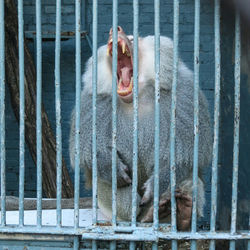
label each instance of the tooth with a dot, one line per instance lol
(108, 51)
(130, 85)
(131, 80)
(120, 82)
(123, 47)
(127, 53)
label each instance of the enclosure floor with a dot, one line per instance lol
(49, 217)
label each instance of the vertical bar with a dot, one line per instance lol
(157, 111)
(132, 244)
(216, 120)
(196, 117)
(135, 106)
(155, 246)
(94, 245)
(21, 112)
(76, 243)
(94, 86)
(173, 121)
(2, 115)
(38, 111)
(58, 115)
(78, 110)
(113, 245)
(114, 118)
(236, 127)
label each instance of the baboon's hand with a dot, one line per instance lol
(148, 188)
(123, 178)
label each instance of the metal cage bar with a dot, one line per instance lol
(76, 243)
(217, 58)
(135, 107)
(140, 234)
(21, 112)
(196, 112)
(94, 86)
(2, 115)
(196, 117)
(132, 231)
(114, 113)
(77, 110)
(236, 127)
(157, 111)
(114, 116)
(38, 110)
(173, 120)
(58, 115)
(157, 117)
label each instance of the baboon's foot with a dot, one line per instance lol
(183, 209)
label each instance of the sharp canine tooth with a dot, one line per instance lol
(123, 47)
(130, 84)
(107, 51)
(119, 83)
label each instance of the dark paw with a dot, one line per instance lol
(164, 210)
(184, 210)
(123, 176)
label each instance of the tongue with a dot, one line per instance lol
(125, 76)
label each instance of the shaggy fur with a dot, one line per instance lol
(184, 128)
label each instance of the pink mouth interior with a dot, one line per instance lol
(124, 67)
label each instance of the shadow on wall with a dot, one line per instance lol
(227, 125)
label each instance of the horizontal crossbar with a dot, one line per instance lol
(124, 233)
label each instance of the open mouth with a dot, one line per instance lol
(124, 66)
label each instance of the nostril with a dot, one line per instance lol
(119, 29)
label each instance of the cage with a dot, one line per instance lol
(44, 47)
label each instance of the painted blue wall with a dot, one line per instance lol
(146, 27)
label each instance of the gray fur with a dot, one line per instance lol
(184, 126)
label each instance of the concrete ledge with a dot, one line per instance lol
(49, 217)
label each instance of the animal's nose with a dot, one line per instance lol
(119, 29)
